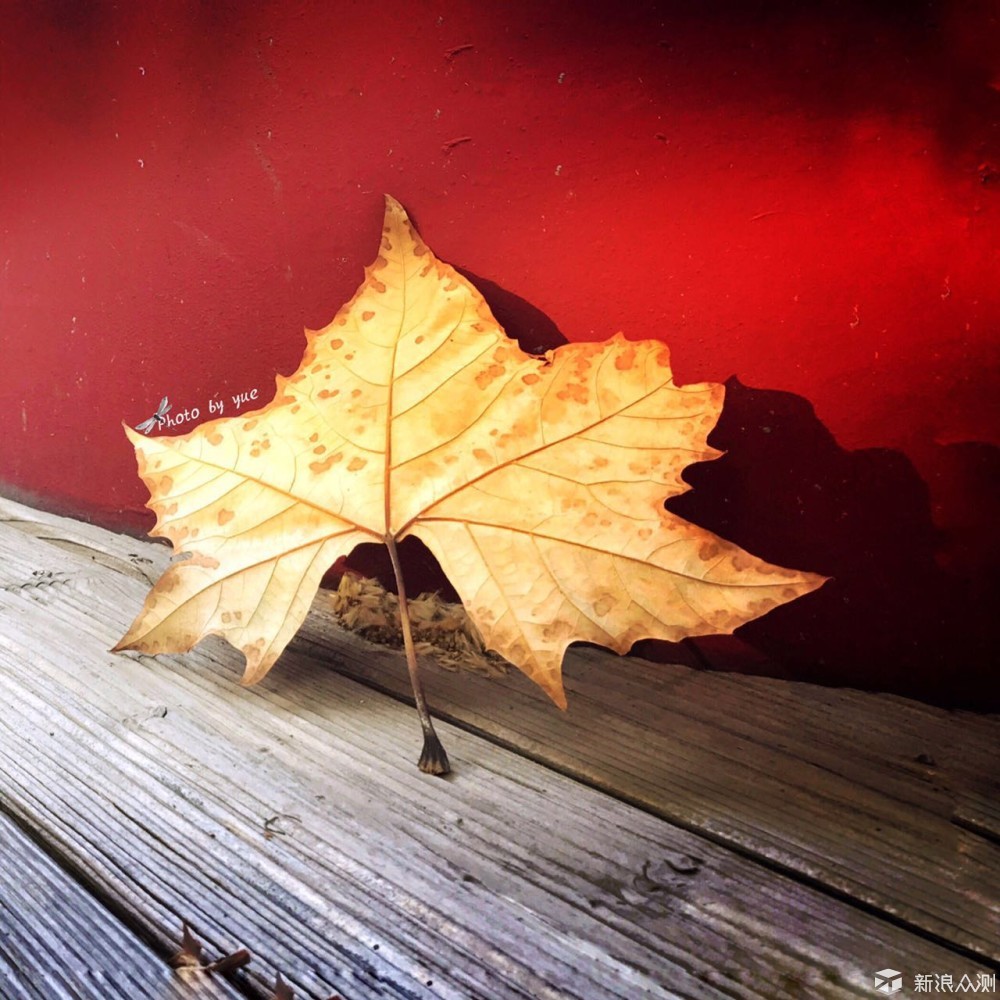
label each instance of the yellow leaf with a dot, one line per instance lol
(537, 482)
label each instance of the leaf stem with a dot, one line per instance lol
(433, 759)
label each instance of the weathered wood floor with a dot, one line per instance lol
(675, 834)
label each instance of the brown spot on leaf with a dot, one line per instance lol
(625, 360)
(557, 631)
(319, 449)
(336, 344)
(367, 315)
(379, 286)
(740, 560)
(319, 467)
(214, 438)
(314, 437)
(708, 550)
(482, 455)
(487, 375)
(573, 390)
(250, 424)
(355, 393)
(604, 604)
(419, 339)
(166, 484)
(356, 464)
(225, 516)
(530, 378)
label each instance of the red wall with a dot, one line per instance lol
(805, 199)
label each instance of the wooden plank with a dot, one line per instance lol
(879, 798)
(58, 943)
(290, 817)
(758, 765)
(979, 812)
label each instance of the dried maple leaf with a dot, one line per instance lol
(190, 960)
(282, 991)
(190, 955)
(537, 482)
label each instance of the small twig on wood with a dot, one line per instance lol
(271, 827)
(230, 963)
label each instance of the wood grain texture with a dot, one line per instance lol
(289, 817)
(882, 799)
(58, 943)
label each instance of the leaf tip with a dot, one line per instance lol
(256, 668)
(132, 434)
(392, 205)
(553, 686)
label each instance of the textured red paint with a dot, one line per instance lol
(807, 200)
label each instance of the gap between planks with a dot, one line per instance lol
(64, 944)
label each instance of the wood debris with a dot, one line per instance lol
(441, 631)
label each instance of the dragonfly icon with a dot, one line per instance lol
(157, 419)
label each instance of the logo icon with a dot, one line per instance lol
(158, 419)
(888, 981)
